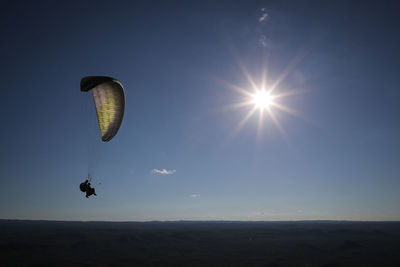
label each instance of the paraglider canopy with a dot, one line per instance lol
(109, 99)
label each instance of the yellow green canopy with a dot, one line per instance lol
(109, 99)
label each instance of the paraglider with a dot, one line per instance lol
(109, 100)
(86, 187)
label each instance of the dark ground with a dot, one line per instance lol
(313, 243)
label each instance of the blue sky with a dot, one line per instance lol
(339, 159)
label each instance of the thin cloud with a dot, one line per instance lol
(264, 15)
(263, 40)
(163, 171)
(195, 195)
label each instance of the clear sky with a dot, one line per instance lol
(184, 150)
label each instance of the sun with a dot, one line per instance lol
(265, 98)
(262, 99)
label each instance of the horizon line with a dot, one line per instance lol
(205, 221)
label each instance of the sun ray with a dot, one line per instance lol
(289, 93)
(243, 121)
(235, 88)
(277, 124)
(260, 124)
(243, 68)
(289, 68)
(264, 75)
(247, 74)
(246, 118)
(288, 110)
(236, 105)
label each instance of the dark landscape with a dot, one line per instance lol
(191, 243)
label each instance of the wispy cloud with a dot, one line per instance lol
(163, 171)
(264, 15)
(195, 195)
(263, 40)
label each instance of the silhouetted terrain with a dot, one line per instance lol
(318, 243)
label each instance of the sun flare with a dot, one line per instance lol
(262, 99)
(265, 99)
(268, 101)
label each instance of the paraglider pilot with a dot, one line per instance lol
(86, 187)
